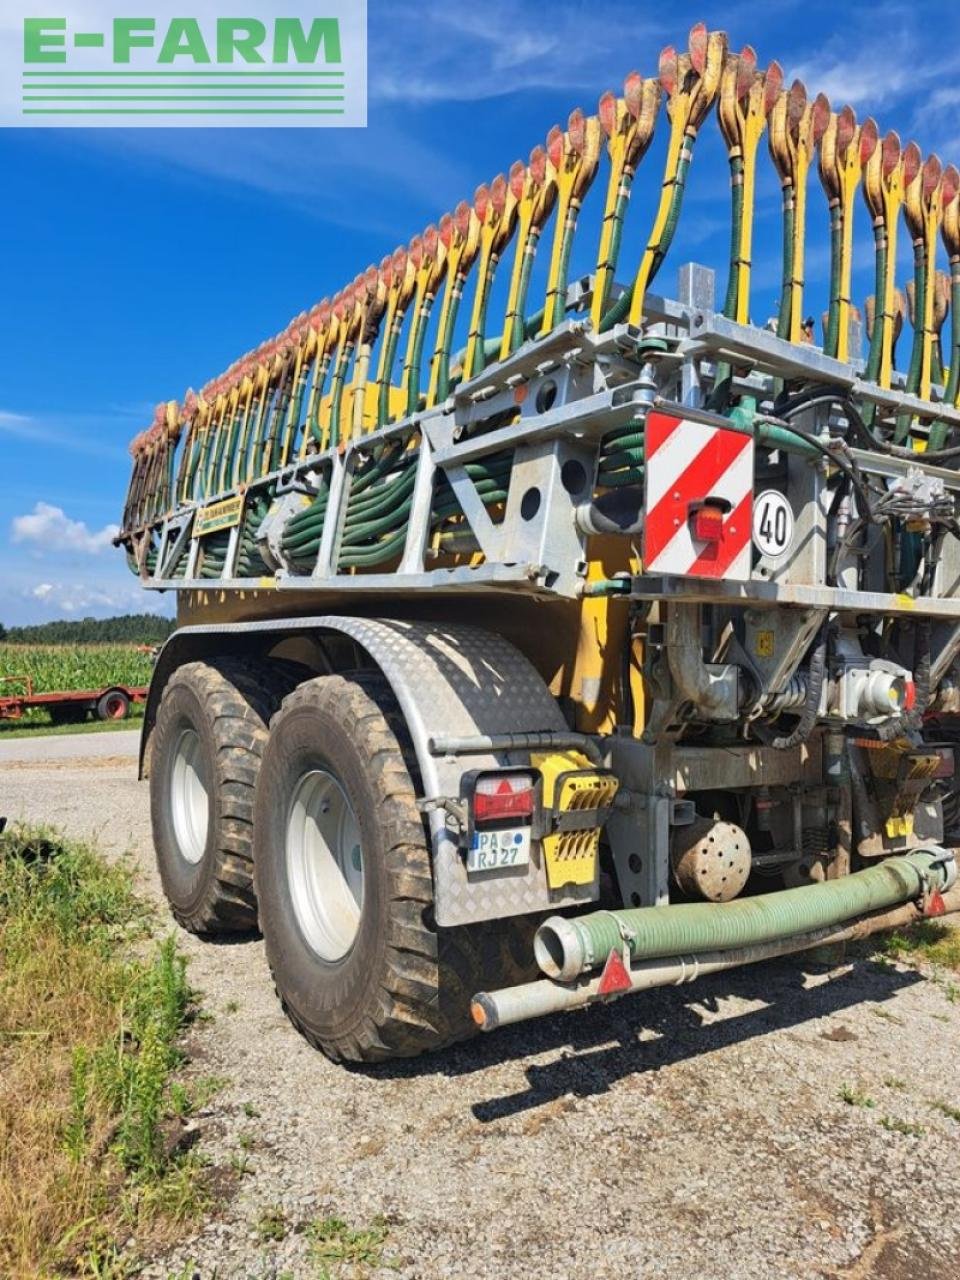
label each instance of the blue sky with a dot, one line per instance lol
(137, 262)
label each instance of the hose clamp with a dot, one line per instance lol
(933, 887)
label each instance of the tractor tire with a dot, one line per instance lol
(344, 882)
(206, 747)
(113, 705)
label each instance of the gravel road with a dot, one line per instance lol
(696, 1132)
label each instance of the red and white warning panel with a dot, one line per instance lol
(698, 506)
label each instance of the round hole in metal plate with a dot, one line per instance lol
(546, 396)
(573, 476)
(530, 503)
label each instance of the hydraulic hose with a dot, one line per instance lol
(565, 947)
(822, 395)
(811, 703)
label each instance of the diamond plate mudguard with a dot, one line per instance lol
(455, 681)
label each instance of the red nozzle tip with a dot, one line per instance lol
(555, 146)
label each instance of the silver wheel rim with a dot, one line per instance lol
(324, 864)
(189, 799)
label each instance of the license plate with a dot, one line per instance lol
(496, 850)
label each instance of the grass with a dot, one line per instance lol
(854, 1097)
(36, 726)
(272, 1224)
(91, 1009)
(338, 1249)
(906, 1127)
(929, 941)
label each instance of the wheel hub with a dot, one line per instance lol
(324, 864)
(189, 798)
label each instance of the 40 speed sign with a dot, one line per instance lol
(772, 524)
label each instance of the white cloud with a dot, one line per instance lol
(76, 432)
(97, 599)
(50, 529)
(507, 45)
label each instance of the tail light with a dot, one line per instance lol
(706, 520)
(503, 797)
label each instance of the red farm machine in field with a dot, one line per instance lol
(67, 706)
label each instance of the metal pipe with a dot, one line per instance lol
(492, 1009)
(479, 744)
(564, 947)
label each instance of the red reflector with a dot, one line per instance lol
(909, 695)
(498, 797)
(614, 977)
(706, 524)
(935, 905)
(515, 804)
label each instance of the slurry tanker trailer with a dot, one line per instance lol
(546, 638)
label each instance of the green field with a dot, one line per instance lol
(66, 667)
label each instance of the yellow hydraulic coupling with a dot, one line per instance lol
(628, 123)
(574, 156)
(429, 255)
(460, 234)
(496, 208)
(840, 168)
(534, 186)
(691, 82)
(794, 124)
(746, 99)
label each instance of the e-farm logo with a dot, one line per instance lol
(288, 64)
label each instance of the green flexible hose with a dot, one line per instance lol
(621, 308)
(787, 285)
(690, 928)
(832, 337)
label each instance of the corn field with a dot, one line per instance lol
(63, 667)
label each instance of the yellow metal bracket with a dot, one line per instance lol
(629, 124)
(746, 99)
(496, 209)
(574, 156)
(574, 790)
(460, 233)
(535, 189)
(840, 169)
(691, 83)
(793, 136)
(923, 212)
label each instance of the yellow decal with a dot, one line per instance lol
(219, 515)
